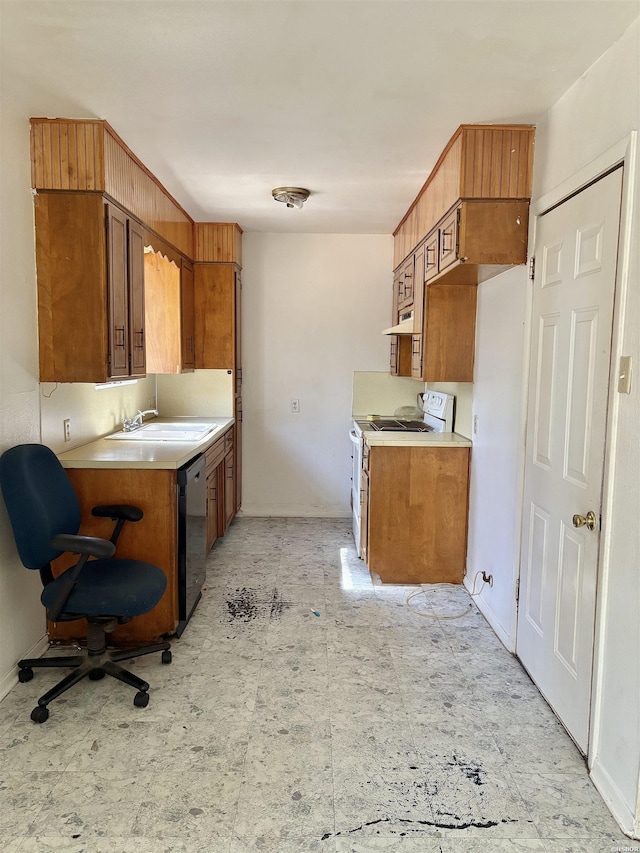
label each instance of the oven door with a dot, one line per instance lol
(356, 456)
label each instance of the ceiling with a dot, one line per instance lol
(352, 99)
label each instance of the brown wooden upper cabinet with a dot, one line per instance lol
(170, 318)
(481, 163)
(90, 269)
(468, 223)
(217, 298)
(187, 316)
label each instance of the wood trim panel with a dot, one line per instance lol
(497, 163)
(218, 242)
(152, 540)
(135, 188)
(67, 154)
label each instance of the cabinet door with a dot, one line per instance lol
(237, 447)
(187, 316)
(73, 302)
(449, 241)
(416, 356)
(229, 488)
(364, 515)
(215, 310)
(449, 336)
(136, 319)
(431, 251)
(212, 508)
(118, 275)
(405, 285)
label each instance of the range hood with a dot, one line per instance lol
(404, 327)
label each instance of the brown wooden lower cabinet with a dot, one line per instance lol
(221, 487)
(417, 513)
(154, 539)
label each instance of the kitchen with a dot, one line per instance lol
(281, 362)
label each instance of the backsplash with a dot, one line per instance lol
(463, 416)
(92, 413)
(203, 392)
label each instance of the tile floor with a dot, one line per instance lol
(367, 728)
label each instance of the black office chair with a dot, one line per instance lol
(45, 516)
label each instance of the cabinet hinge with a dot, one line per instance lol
(532, 267)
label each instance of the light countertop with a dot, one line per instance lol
(415, 439)
(107, 453)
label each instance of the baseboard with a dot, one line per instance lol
(496, 626)
(291, 512)
(8, 682)
(614, 800)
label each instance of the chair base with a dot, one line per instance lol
(95, 662)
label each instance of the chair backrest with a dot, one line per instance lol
(40, 501)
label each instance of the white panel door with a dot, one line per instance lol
(576, 250)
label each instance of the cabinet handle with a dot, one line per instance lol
(120, 330)
(446, 235)
(141, 333)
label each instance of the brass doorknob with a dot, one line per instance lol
(589, 520)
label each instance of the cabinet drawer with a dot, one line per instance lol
(214, 455)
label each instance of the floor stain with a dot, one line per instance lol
(472, 771)
(436, 824)
(242, 605)
(246, 604)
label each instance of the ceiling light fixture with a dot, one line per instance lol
(291, 196)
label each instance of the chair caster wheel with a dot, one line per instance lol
(25, 674)
(141, 699)
(166, 656)
(97, 674)
(40, 714)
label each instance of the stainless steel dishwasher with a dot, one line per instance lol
(192, 537)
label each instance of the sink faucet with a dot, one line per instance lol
(130, 424)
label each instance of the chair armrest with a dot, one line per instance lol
(92, 546)
(88, 546)
(118, 511)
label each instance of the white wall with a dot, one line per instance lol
(22, 622)
(313, 308)
(496, 458)
(596, 113)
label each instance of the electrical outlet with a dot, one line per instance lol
(295, 406)
(66, 423)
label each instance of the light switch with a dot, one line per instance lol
(624, 375)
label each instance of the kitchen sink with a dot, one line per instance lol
(169, 431)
